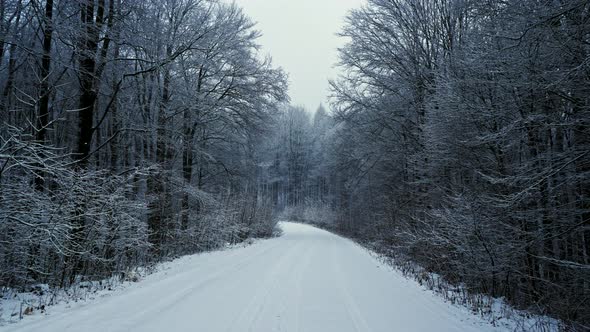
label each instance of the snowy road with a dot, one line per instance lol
(307, 280)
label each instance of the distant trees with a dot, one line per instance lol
(129, 132)
(296, 168)
(463, 130)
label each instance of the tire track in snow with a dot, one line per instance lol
(306, 261)
(168, 303)
(359, 322)
(253, 310)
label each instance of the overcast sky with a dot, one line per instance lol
(300, 35)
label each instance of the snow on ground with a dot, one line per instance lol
(307, 280)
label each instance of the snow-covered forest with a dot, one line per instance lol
(457, 140)
(129, 133)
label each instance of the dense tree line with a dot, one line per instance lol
(129, 133)
(463, 142)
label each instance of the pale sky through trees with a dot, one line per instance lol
(300, 35)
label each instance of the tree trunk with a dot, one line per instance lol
(90, 72)
(44, 91)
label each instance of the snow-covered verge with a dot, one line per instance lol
(496, 311)
(16, 305)
(40, 300)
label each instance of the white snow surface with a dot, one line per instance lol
(307, 280)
